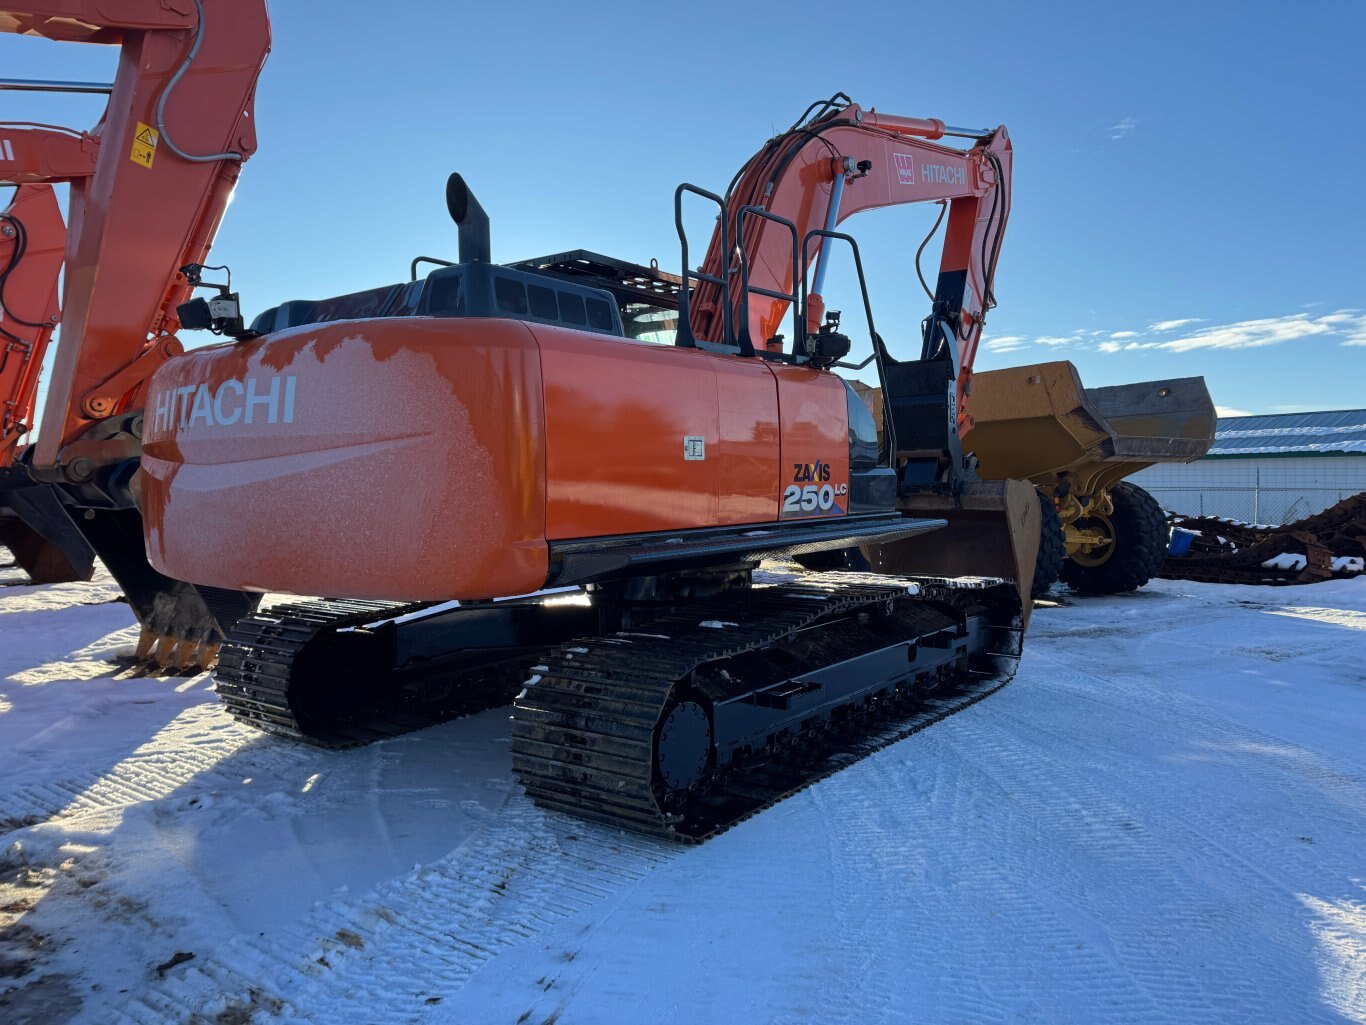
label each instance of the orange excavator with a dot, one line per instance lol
(502, 481)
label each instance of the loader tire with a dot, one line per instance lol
(1052, 548)
(1140, 546)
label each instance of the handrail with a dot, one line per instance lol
(879, 353)
(746, 343)
(684, 336)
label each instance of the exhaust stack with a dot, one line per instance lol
(470, 218)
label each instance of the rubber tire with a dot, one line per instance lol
(1141, 539)
(1052, 548)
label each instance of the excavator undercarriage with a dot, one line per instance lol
(673, 716)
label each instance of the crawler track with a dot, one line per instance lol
(1227, 552)
(696, 718)
(273, 674)
(587, 731)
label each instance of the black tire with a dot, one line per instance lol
(1052, 548)
(1139, 548)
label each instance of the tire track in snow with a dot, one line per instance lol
(1225, 850)
(1062, 799)
(183, 753)
(1179, 714)
(416, 937)
(929, 875)
(1283, 775)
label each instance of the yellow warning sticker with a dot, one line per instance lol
(144, 145)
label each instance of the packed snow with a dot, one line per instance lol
(1162, 819)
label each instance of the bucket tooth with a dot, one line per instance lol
(164, 651)
(183, 654)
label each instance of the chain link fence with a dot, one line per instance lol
(1256, 490)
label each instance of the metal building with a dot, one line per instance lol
(1268, 469)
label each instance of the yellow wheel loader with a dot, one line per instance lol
(1100, 533)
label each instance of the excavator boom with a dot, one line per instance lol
(780, 216)
(32, 244)
(148, 186)
(839, 162)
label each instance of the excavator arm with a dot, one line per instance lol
(148, 187)
(34, 525)
(170, 146)
(844, 160)
(32, 241)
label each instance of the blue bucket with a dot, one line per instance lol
(1181, 541)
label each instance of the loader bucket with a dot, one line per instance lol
(993, 531)
(1037, 422)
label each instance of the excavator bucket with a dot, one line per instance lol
(182, 624)
(993, 531)
(1037, 422)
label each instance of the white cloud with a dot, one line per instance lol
(1006, 343)
(1349, 325)
(1122, 128)
(1119, 336)
(1053, 340)
(1172, 325)
(1252, 334)
(1231, 411)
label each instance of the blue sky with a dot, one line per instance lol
(1186, 194)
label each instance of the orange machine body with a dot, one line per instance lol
(429, 458)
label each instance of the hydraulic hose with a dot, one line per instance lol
(166, 95)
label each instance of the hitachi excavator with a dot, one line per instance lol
(553, 504)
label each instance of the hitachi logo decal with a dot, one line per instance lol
(254, 400)
(942, 174)
(905, 167)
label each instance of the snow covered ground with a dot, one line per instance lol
(1163, 819)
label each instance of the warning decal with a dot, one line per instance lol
(144, 145)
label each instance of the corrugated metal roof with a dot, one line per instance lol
(1342, 430)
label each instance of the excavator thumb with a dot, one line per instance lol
(993, 531)
(38, 530)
